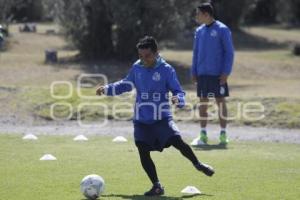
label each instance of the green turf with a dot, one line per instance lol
(243, 170)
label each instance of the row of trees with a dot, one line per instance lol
(104, 28)
(21, 10)
(285, 12)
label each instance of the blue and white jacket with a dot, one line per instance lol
(213, 50)
(152, 90)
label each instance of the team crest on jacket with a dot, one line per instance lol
(139, 75)
(173, 126)
(156, 76)
(213, 33)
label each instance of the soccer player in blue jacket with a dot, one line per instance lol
(154, 128)
(212, 64)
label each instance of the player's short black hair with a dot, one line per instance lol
(206, 8)
(146, 43)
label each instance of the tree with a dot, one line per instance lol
(87, 23)
(5, 10)
(20, 10)
(134, 19)
(101, 28)
(230, 12)
(288, 12)
(261, 12)
(27, 10)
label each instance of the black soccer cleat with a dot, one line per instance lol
(206, 169)
(155, 191)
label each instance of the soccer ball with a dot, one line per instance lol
(92, 186)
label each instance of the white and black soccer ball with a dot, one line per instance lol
(92, 186)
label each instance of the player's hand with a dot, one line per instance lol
(100, 90)
(194, 79)
(175, 100)
(223, 79)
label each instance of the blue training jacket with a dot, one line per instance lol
(152, 90)
(213, 50)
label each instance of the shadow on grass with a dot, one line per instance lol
(209, 147)
(242, 40)
(142, 197)
(114, 70)
(248, 41)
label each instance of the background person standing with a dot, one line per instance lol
(213, 55)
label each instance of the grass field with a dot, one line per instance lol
(243, 170)
(270, 76)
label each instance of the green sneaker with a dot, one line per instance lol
(223, 138)
(203, 137)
